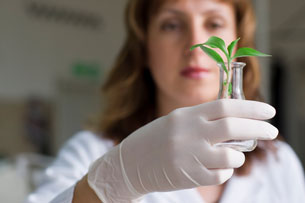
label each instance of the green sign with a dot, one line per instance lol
(86, 70)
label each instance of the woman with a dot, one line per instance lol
(161, 122)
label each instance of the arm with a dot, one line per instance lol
(178, 151)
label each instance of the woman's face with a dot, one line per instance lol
(185, 77)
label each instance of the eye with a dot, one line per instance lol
(171, 26)
(214, 24)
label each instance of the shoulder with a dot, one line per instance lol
(284, 170)
(286, 157)
(282, 160)
(281, 169)
(86, 144)
(82, 149)
(70, 165)
(89, 140)
(287, 163)
(279, 178)
(75, 157)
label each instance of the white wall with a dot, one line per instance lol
(36, 57)
(35, 52)
(263, 44)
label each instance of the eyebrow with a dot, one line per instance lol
(178, 12)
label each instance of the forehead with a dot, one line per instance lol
(159, 5)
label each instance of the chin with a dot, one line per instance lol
(202, 94)
(192, 101)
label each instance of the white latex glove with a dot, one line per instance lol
(176, 151)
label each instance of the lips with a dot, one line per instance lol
(193, 72)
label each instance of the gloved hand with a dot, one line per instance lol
(176, 151)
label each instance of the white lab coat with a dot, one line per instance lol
(278, 180)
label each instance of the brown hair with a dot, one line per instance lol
(130, 91)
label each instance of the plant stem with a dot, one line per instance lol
(228, 81)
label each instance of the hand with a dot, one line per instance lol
(177, 151)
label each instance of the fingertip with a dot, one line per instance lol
(242, 159)
(218, 176)
(225, 175)
(268, 112)
(237, 158)
(273, 132)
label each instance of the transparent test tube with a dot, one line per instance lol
(231, 87)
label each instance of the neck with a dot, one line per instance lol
(166, 105)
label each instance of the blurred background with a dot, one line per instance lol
(54, 55)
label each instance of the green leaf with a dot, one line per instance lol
(245, 51)
(195, 46)
(215, 56)
(216, 42)
(231, 47)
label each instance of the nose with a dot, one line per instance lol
(195, 35)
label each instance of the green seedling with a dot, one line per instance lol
(216, 42)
